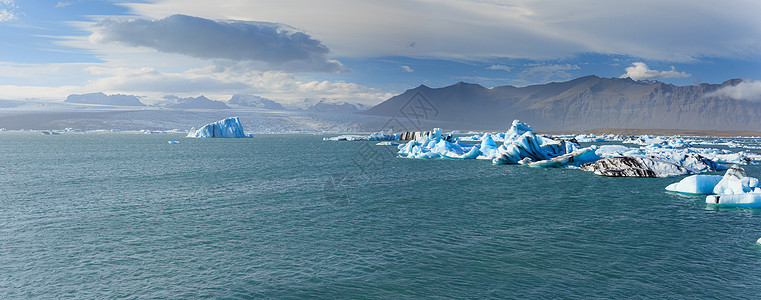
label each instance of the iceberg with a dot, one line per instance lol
(520, 145)
(634, 166)
(696, 184)
(378, 136)
(523, 146)
(227, 128)
(575, 158)
(735, 181)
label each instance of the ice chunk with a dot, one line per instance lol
(517, 129)
(575, 158)
(735, 181)
(748, 200)
(696, 184)
(174, 142)
(387, 143)
(634, 166)
(528, 145)
(227, 128)
(378, 136)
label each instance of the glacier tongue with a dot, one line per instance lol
(226, 128)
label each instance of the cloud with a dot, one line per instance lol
(640, 71)
(499, 67)
(675, 30)
(277, 45)
(548, 71)
(62, 4)
(749, 90)
(407, 69)
(8, 11)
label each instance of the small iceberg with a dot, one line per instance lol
(747, 200)
(174, 142)
(378, 136)
(662, 165)
(734, 189)
(227, 128)
(696, 184)
(735, 181)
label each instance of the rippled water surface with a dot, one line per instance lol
(121, 215)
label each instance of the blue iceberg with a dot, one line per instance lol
(227, 128)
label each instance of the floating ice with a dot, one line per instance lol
(378, 136)
(696, 184)
(227, 128)
(589, 138)
(634, 166)
(575, 158)
(735, 181)
(174, 142)
(747, 200)
(523, 146)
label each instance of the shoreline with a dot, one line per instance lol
(658, 132)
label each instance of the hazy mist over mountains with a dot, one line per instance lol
(580, 104)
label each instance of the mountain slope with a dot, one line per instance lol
(584, 103)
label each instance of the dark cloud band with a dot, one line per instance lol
(274, 44)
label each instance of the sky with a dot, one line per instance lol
(366, 51)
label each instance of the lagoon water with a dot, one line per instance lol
(292, 216)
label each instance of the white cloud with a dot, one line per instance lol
(62, 4)
(674, 31)
(276, 45)
(499, 67)
(640, 71)
(548, 71)
(210, 80)
(749, 90)
(407, 69)
(8, 11)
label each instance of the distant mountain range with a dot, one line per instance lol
(579, 104)
(200, 102)
(254, 101)
(103, 99)
(333, 106)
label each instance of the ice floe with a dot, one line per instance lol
(226, 128)
(696, 184)
(378, 136)
(734, 189)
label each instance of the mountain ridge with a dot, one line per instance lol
(585, 103)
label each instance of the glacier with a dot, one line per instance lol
(226, 128)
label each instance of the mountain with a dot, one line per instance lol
(103, 99)
(579, 104)
(334, 106)
(254, 101)
(200, 102)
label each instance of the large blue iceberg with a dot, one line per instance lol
(520, 146)
(227, 128)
